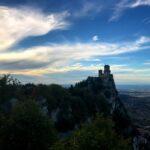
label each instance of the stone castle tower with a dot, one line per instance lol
(106, 72)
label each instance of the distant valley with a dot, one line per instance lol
(137, 102)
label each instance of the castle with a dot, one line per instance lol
(106, 72)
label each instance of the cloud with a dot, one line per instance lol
(118, 10)
(127, 4)
(147, 63)
(88, 9)
(95, 38)
(138, 3)
(55, 58)
(18, 23)
(22, 64)
(146, 20)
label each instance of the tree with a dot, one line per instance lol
(26, 129)
(96, 136)
(8, 87)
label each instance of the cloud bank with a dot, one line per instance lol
(62, 57)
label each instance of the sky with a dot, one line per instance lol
(65, 41)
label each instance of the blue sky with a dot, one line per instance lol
(64, 41)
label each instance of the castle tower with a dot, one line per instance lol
(107, 70)
(100, 73)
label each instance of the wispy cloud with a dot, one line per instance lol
(18, 23)
(118, 10)
(138, 3)
(88, 8)
(127, 4)
(146, 20)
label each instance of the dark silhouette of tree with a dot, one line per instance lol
(96, 136)
(26, 129)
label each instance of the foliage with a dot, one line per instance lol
(26, 129)
(96, 136)
(8, 87)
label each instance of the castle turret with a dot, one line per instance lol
(107, 70)
(100, 73)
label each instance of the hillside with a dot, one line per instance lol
(68, 109)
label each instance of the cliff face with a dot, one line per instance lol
(89, 97)
(103, 89)
(123, 123)
(116, 108)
